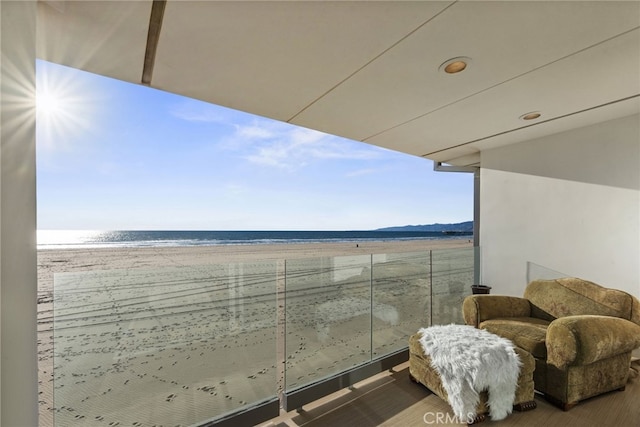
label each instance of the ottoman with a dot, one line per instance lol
(421, 371)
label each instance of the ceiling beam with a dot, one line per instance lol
(155, 25)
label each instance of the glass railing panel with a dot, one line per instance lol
(537, 271)
(401, 299)
(328, 317)
(171, 346)
(452, 275)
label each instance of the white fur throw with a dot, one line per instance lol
(471, 360)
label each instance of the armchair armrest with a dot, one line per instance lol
(478, 308)
(580, 340)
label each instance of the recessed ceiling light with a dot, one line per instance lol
(455, 65)
(530, 116)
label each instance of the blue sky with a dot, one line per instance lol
(113, 155)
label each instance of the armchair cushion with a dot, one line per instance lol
(527, 333)
(581, 340)
(551, 299)
(479, 308)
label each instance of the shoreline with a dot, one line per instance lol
(142, 260)
(51, 261)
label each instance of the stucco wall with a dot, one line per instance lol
(569, 202)
(18, 263)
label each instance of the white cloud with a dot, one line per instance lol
(288, 147)
(271, 143)
(254, 132)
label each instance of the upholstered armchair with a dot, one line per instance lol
(580, 334)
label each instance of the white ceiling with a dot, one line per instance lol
(369, 70)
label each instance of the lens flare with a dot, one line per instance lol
(64, 108)
(48, 104)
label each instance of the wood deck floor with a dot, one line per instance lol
(391, 399)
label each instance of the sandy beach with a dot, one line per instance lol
(153, 328)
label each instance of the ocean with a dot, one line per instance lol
(70, 239)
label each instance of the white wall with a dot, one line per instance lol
(18, 265)
(569, 202)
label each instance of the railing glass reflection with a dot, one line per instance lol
(452, 274)
(328, 310)
(401, 299)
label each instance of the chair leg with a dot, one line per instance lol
(478, 419)
(565, 406)
(525, 406)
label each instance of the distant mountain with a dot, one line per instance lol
(459, 227)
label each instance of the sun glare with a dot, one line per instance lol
(48, 104)
(63, 107)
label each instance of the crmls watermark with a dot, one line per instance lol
(446, 418)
